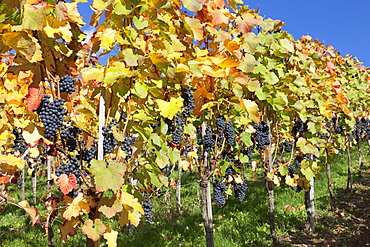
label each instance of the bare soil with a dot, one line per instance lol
(349, 226)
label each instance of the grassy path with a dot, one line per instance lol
(349, 227)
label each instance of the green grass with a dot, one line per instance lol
(235, 224)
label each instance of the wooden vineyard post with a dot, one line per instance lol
(310, 206)
(102, 102)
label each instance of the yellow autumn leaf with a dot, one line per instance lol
(308, 173)
(107, 37)
(229, 63)
(132, 209)
(213, 72)
(184, 164)
(130, 200)
(77, 207)
(252, 108)
(291, 181)
(111, 236)
(169, 109)
(12, 161)
(73, 13)
(31, 135)
(34, 152)
(96, 74)
(53, 27)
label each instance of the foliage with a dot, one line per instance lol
(237, 65)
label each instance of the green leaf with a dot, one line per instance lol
(261, 69)
(253, 86)
(287, 45)
(154, 180)
(141, 89)
(156, 140)
(33, 17)
(161, 161)
(283, 170)
(238, 90)
(163, 127)
(251, 41)
(174, 155)
(132, 59)
(106, 178)
(248, 63)
(299, 81)
(246, 139)
(119, 9)
(142, 117)
(308, 173)
(190, 129)
(271, 78)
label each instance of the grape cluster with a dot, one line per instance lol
(176, 125)
(219, 189)
(208, 140)
(229, 134)
(109, 142)
(127, 146)
(188, 102)
(220, 125)
(262, 135)
(88, 154)
(299, 127)
(51, 114)
(73, 167)
(297, 188)
(66, 84)
(239, 191)
(366, 126)
(285, 146)
(70, 134)
(248, 152)
(19, 144)
(167, 170)
(148, 208)
(230, 171)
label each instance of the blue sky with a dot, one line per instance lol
(343, 24)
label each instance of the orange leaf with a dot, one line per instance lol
(331, 67)
(337, 87)
(229, 63)
(66, 183)
(246, 23)
(219, 18)
(342, 98)
(33, 99)
(80, 205)
(68, 229)
(32, 212)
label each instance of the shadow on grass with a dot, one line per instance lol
(348, 227)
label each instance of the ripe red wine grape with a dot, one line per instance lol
(51, 114)
(148, 208)
(262, 135)
(66, 84)
(239, 191)
(70, 134)
(219, 189)
(229, 134)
